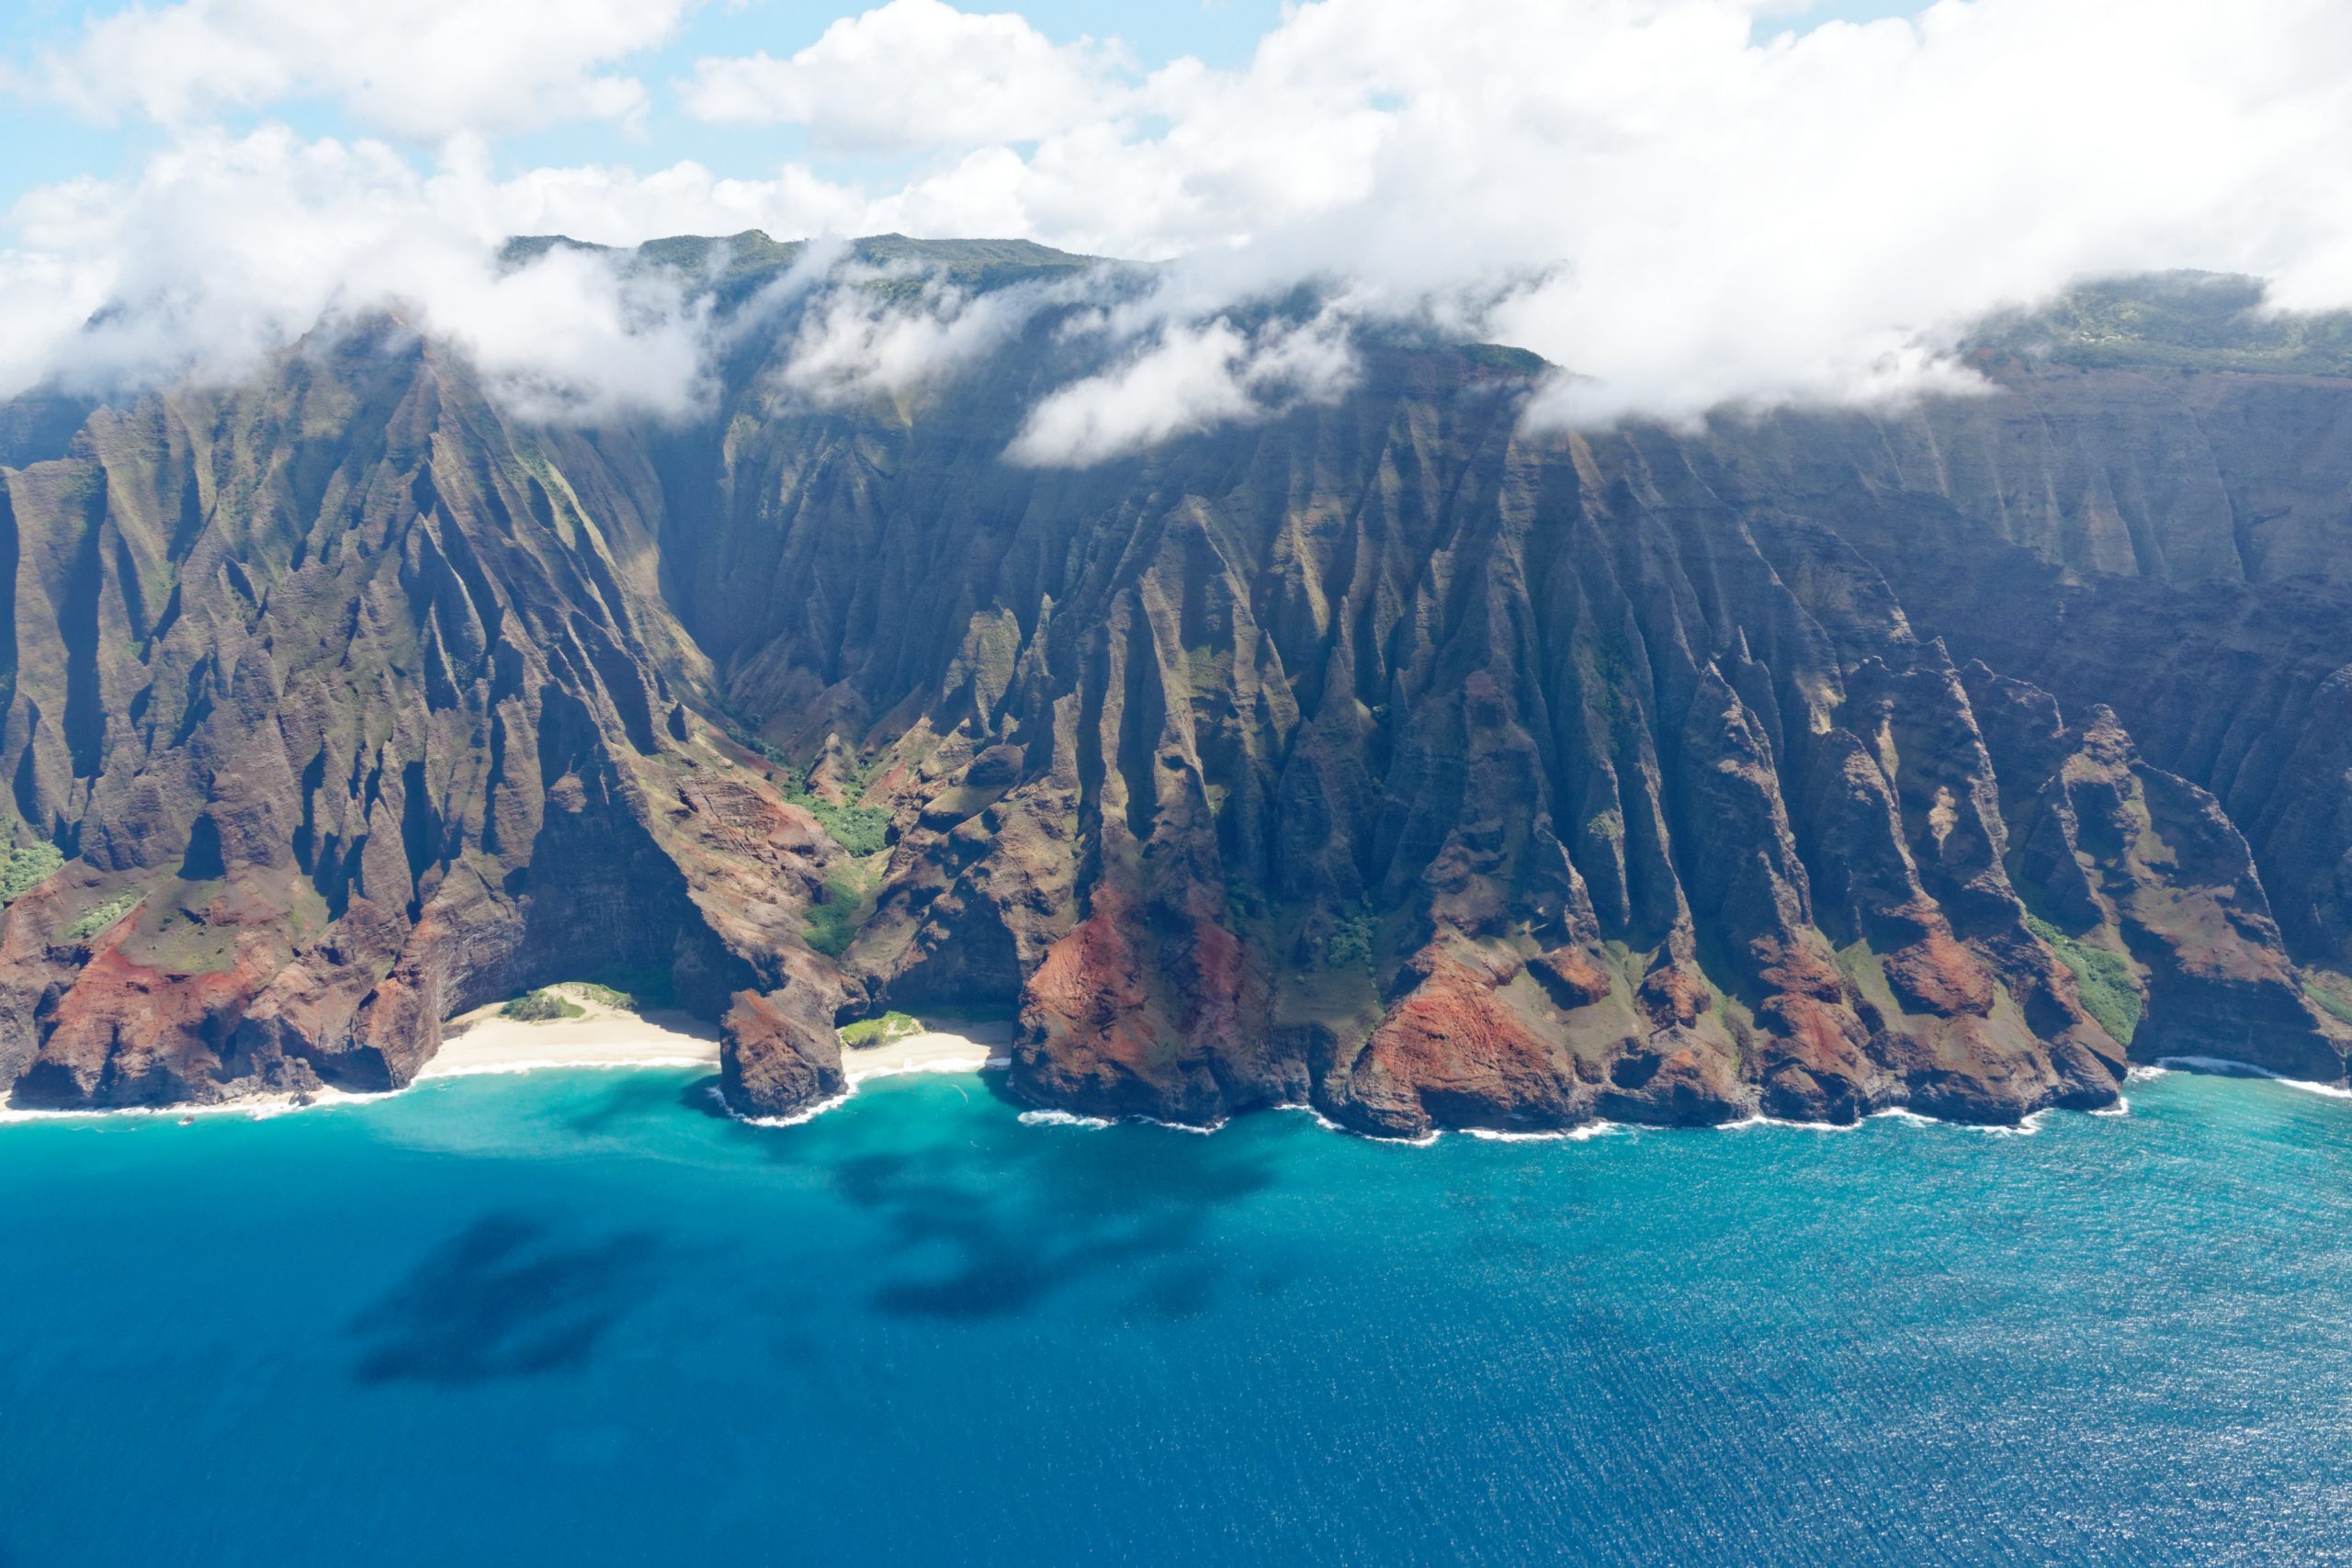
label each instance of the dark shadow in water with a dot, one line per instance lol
(702, 1097)
(500, 1299)
(1132, 1204)
(1183, 1290)
(632, 1096)
(1108, 1204)
(999, 1089)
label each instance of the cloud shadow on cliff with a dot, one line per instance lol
(502, 1298)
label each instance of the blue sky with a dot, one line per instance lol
(41, 143)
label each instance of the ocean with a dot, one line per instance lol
(577, 1317)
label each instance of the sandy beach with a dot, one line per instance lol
(603, 1036)
(608, 1036)
(946, 1045)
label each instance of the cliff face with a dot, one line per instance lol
(1381, 755)
(351, 706)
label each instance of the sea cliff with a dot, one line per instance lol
(1384, 754)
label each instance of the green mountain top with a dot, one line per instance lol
(2184, 320)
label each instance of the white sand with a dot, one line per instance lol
(947, 1046)
(614, 1037)
(604, 1037)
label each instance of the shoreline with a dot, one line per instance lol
(952, 1045)
(603, 1036)
(946, 1045)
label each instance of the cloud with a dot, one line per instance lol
(428, 69)
(863, 338)
(916, 74)
(1680, 200)
(123, 286)
(1189, 378)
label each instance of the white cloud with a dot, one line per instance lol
(420, 68)
(121, 287)
(1190, 379)
(1687, 206)
(916, 74)
(858, 341)
(1675, 198)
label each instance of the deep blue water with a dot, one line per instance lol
(571, 1316)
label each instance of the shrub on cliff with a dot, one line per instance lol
(881, 1030)
(541, 1006)
(99, 919)
(2103, 979)
(26, 869)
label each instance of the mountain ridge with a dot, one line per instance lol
(1381, 754)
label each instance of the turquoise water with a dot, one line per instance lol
(571, 1316)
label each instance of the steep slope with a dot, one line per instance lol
(352, 706)
(1381, 754)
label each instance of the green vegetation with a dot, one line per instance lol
(860, 829)
(26, 869)
(1351, 942)
(2185, 321)
(175, 937)
(1244, 901)
(832, 924)
(1866, 973)
(2103, 979)
(881, 1030)
(1605, 676)
(1503, 357)
(605, 995)
(2331, 991)
(104, 915)
(542, 1006)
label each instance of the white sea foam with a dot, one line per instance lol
(258, 1108)
(1576, 1134)
(979, 1062)
(1063, 1118)
(1421, 1142)
(2025, 1128)
(2122, 1107)
(1179, 1126)
(1048, 1117)
(435, 1071)
(806, 1113)
(1320, 1119)
(2227, 1069)
(1760, 1120)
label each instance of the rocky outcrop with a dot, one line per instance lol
(780, 1053)
(1384, 755)
(2155, 894)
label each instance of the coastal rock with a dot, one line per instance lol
(778, 1052)
(2155, 894)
